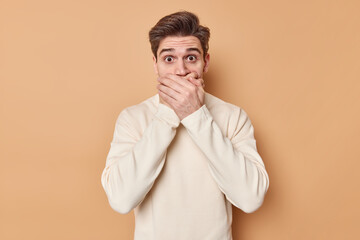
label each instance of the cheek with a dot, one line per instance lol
(164, 69)
(199, 68)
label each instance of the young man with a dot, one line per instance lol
(183, 157)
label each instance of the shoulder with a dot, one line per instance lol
(217, 106)
(230, 117)
(213, 102)
(140, 112)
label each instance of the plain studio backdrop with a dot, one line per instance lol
(67, 69)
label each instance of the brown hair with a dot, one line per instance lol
(181, 23)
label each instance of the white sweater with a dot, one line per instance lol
(181, 179)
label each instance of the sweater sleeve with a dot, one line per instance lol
(233, 161)
(133, 163)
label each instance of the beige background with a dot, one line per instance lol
(67, 68)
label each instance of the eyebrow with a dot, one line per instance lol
(172, 49)
(194, 49)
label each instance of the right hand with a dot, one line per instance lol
(193, 78)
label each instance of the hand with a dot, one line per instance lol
(184, 95)
(191, 77)
(163, 102)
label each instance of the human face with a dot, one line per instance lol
(181, 56)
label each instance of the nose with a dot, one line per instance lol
(181, 68)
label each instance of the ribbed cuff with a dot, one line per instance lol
(167, 115)
(195, 119)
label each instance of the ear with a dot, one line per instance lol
(207, 62)
(155, 65)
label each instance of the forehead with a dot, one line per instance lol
(180, 43)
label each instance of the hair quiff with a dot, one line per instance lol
(181, 23)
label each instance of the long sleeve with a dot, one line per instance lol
(233, 161)
(133, 163)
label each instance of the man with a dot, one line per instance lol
(183, 157)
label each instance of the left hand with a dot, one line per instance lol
(185, 95)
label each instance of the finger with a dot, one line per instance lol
(167, 99)
(171, 84)
(169, 91)
(192, 75)
(181, 80)
(198, 82)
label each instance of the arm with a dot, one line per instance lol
(133, 164)
(233, 162)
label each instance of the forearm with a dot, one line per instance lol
(236, 167)
(133, 165)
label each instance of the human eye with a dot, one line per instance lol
(191, 58)
(168, 59)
